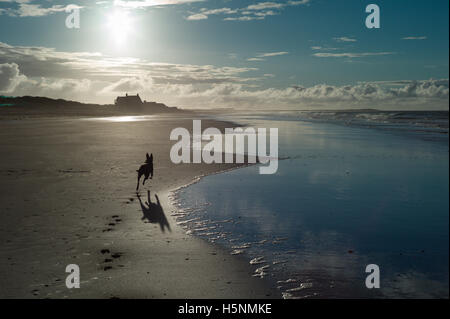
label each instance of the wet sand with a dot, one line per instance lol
(67, 193)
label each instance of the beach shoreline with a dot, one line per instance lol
(68, 198)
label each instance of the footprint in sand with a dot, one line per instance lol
(110, 257)
(116, 255)
(114, 221)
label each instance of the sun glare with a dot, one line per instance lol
(120, 26)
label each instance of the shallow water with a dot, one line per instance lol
(127, 118)
(346, 197)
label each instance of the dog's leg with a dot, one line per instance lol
(138, 178)
(146, 177)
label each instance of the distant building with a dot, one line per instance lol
(128, 101)
(134, 103)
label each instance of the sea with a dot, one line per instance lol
(353, 189)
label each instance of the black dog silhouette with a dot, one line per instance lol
(146, 170)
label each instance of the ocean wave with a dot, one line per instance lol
(408, 121)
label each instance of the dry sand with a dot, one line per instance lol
(67, 193)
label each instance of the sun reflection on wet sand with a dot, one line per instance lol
(128, 118)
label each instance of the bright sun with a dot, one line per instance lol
(119, 25)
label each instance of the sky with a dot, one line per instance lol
(276, 54)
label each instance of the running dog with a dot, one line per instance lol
(146, 170)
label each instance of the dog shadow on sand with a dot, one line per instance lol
(153, 212)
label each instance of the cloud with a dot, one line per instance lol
(265, 5)
(275, 5)
(350, 54)
(151, 3)
(244, 18)
(197, 16)
(415, 38)
(261, 56)
(344, 39)
(49, 63)
(35, 10)
(93, 77)
(47, 68)
(272, 54)
(25, 9)
(204, 13)
(323, 48)
(257, 11)
(10, 77)
(218, 11)
(379, 91)
(430, 89)
(16, 1)
(414, 94)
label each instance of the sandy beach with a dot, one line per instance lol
(68, 197)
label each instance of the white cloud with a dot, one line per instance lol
(204, 13)
(275, 5)
(261, 56)
(272, 54)
(265, 5)
(35, 10)
(323, 48)
(244, 18)
(218, 11)
(10, 77)
(150, 3)
(197, 16)
(415, 38)
(414, 94)
(25, 9)
(257, 11)
(344, 39)
(350, 54)
(298, 2)
(93, 77)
